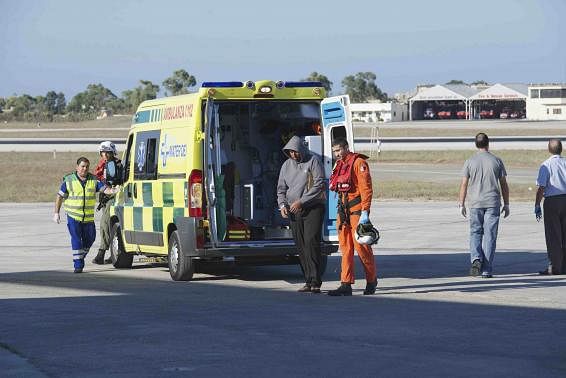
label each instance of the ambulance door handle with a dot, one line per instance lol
(212, 195)
(135, 190)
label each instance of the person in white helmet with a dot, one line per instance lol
(108, 152)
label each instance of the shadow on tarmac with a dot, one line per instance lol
(131, 326)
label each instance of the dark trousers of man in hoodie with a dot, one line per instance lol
(307, 229)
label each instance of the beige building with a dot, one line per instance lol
(546, 102)
(379, 112)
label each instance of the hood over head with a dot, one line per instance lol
(296, 144)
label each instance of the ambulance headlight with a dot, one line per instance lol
(250, 84)
(280, 84)
(265, 89)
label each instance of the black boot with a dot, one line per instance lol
(344, 290)
(370, 288)
(99, 259)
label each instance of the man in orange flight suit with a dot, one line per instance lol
(351, 179)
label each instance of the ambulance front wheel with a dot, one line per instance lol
(120, 258)
(181, 267)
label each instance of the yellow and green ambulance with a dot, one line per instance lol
(201, 170)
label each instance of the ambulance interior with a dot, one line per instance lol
(247, 138)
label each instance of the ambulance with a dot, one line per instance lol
(201, 170)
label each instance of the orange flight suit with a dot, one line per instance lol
(361, 187)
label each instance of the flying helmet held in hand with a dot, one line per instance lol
(366, 234)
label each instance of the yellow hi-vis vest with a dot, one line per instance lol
(79, 205)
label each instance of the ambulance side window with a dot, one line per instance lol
(151, 167)
(145, 166)
(127, 158)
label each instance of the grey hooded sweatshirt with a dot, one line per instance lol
(293, 177)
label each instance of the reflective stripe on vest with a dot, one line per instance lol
(80, 203)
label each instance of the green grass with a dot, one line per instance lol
(456, 132)
(511, 158)
(109, 123)
(426, 190)
(48, 133)
(36, 176)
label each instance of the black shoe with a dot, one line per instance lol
(315, 289)
(486, 275)
(344, 290)
(99, 259)
(305, 289)
(475, 270)
(108, 260)
(78, 270)
(370, 288)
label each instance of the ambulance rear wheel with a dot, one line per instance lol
(120, 258)
(181, 267)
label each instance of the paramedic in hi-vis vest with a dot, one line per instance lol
(78, 190)
(351, 180)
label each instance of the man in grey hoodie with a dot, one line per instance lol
(301, 198)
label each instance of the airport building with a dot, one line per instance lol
(462, 101)
(546, 102)
(379, 112)
(537, 102)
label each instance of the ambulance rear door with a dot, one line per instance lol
(336, 123)
(211, 166)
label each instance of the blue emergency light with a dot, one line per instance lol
(302, 84)
(222, 84)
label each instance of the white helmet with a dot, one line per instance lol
(366, 234)
(107, 146)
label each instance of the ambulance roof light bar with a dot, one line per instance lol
(222, 84)
(298, 84)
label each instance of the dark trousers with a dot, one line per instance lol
(307, 229)
(555, 232)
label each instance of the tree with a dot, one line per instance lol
(361, 87)
(51, 102)
(315, 76)
(2, 104)
(480, 82)
(179, 83)
(60, 103)
(146, 91)
(455, 82)
(21, 104)
(94, 98)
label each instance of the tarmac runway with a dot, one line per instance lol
(428, 318)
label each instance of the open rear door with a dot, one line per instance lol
(336, 123)
(211, 165)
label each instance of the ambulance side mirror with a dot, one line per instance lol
(114, 173)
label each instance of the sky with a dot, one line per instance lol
(67, 44)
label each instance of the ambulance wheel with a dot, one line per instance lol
(120, 258)
(181, 267)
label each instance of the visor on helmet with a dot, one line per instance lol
(366, 234)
